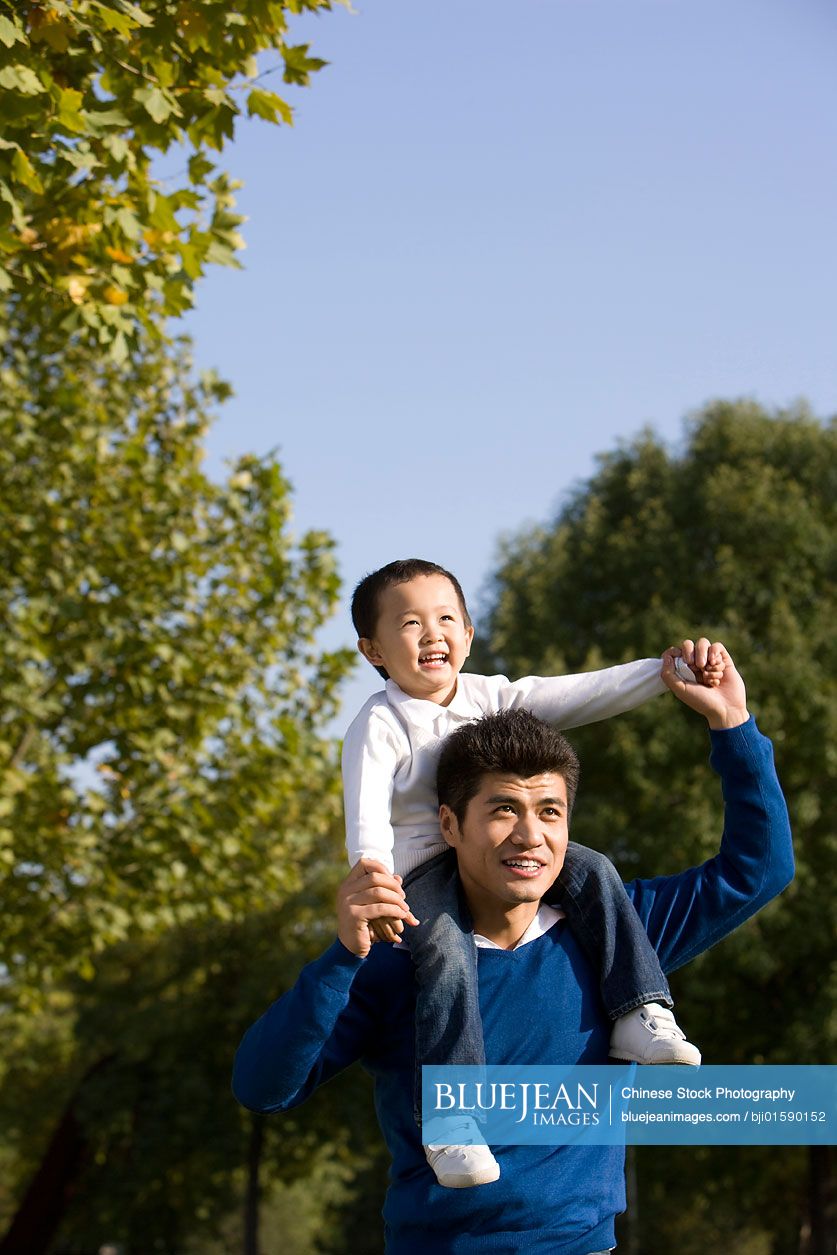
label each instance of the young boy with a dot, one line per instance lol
(413, 627)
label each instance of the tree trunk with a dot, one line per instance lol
(40, 1213)
(251, 1205)
(632, 1197)
(43, 1205)
(819, 1231)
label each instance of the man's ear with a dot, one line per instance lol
(370, 651)
(449, 825)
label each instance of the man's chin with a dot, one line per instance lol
(533, 888)
(527, 890)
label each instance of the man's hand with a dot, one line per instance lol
(369, 893)
(724, 702)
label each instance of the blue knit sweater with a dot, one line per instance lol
(540, 1005)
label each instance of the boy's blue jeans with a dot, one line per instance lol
(599, 912)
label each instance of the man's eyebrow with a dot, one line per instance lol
(513, 801)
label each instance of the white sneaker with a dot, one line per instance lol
(650, 1034)
(461, 1163)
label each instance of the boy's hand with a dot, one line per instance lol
(387, 929)
(724, 704)
(705, 660)
(369, 893)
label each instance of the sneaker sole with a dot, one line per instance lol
(659, 1063)
(474, 1178)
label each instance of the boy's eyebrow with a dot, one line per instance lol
(436, 609)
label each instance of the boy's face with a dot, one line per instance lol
(421, 637)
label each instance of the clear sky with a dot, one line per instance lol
(502, 237)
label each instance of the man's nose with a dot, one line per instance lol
(526, 831)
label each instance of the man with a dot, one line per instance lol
(506, 786)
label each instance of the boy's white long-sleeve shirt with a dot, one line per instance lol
(392, 747)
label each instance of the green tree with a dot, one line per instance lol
(161, 692)
(95, 242)
(139, 1064)
(733, 535)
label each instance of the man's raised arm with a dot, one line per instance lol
(687, 913)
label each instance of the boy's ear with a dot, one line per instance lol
(469, 634)
(370, 651)
(449, 825)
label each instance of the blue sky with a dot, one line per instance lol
(501, 238)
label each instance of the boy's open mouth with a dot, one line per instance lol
(433, 660)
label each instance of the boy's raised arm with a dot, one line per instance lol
(571, 701)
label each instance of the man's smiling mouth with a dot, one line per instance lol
(524, 866)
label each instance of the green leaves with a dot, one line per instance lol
(92, 92)
(269, 106)
(157, 103)
(24, 172)
(10, 32)
(21, 78)
(124, 21)
(298, 65)
(161, 690)
(162, 694)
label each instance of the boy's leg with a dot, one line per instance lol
(633, 985)
(448, 1024)
(603, 919)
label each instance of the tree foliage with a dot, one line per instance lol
(95, 242)
(161, 695)
(732, 536)
(143, 1059)
(165, 786)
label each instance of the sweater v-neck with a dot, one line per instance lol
(545, 919)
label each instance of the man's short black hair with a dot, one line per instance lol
(512, 742)
(366, 597)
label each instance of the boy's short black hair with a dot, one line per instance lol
(366, 597)
(511, 742)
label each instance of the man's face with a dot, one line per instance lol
(421, 638)
(512, 841)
